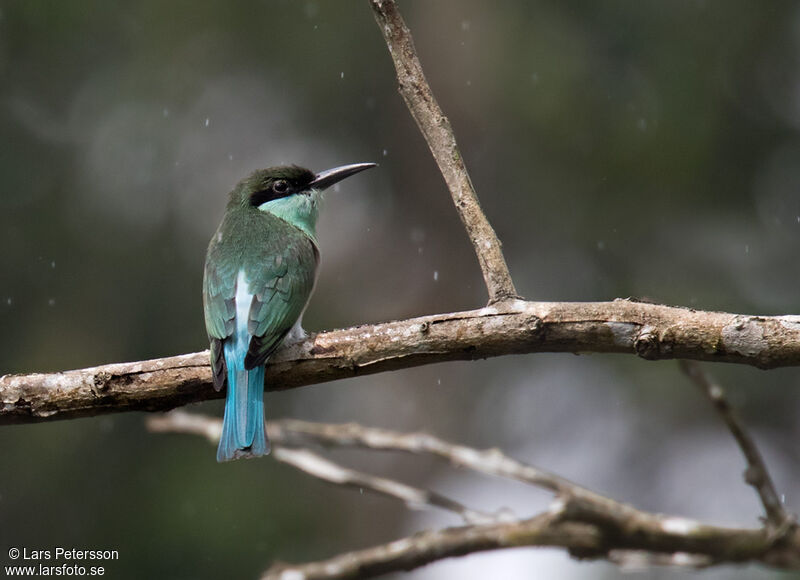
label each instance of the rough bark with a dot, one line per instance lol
(651, 331)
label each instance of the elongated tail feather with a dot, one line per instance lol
(243, 433)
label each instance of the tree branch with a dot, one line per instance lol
(488, 461)
(687, 542)
(283, 442)
(651, 331)
(426, 547)
(298, 433)
(322, 468)
(757, 474)
(587, 524)
(438, 133)
(315, 465)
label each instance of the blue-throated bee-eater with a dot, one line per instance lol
(260, 270)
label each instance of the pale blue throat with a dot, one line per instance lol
(299, 209)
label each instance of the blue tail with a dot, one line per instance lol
(243, 433)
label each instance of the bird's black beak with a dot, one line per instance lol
(325, 179)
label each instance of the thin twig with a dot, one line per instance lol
(487, 461)
(651, 331)
(179, 421)
(320, 467)
(298, 433)
(437, 131)
(414, 498)
(757, 474)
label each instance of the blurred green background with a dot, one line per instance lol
(622, 148)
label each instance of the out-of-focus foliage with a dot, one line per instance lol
(620, 148)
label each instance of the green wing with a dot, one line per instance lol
(282, 290)
(280, 265)
(219, 289)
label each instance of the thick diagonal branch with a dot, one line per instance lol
(441, 140)
(651, 331)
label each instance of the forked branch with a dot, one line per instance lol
(587, 524)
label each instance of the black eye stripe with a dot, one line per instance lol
(271, 193)
(276, 182)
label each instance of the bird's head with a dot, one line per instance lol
(290, 192)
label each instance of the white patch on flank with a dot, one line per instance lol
(243, 300)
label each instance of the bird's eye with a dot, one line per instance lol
(280, 186)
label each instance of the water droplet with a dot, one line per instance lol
(435, 275)
(208, 121)
(601, 245)
(465, 24)
(51, 302)
(230, 156)
(747, 248)
(53, 264)
(438, 381)
(342, 74)
(641, 124)
(9, 301)
(386, 152)
(165, 112)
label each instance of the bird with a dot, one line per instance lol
(260, 271)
